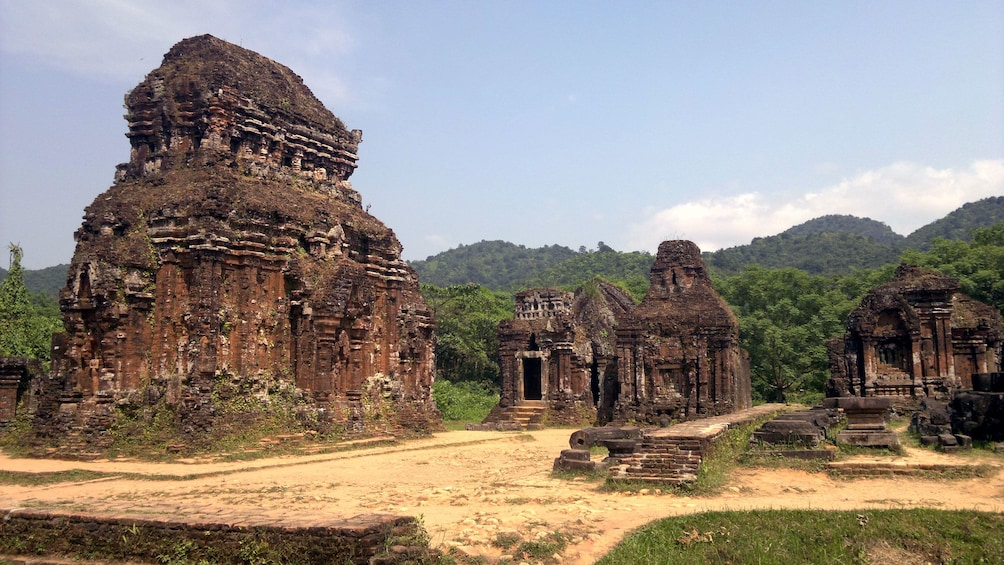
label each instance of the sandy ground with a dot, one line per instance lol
(470, 486)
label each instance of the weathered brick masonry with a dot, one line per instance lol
(376, 538)
(674, 455)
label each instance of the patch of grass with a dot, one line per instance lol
(541, 550)
(32, 479)
(506, 540)
(811, 536)
(588, 476)
(723, 457)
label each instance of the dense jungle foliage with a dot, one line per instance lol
(467, 318)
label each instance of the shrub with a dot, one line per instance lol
(467, 401)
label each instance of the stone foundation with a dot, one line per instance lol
(674, 455)
(363, 539)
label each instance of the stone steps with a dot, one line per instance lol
(528, 415)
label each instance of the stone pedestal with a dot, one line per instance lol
(865, 422)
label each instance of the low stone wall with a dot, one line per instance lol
(674, 455)
(370, 539)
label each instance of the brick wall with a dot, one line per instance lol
(373, 539)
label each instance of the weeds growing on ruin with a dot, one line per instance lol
(17, 435)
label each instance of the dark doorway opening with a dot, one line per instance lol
(531, 379)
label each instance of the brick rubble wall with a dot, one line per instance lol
(373, 539)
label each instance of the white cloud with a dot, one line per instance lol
(904, 195)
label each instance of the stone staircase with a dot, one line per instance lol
(529, 415)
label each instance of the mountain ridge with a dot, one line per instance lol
(829, 244)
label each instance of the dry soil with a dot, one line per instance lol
(468, 487)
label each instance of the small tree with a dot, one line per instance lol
(24, 330)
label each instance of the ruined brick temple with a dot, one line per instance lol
(678, 354)
(558, 351)
(596, 356)
(232, 259)
(915, 337)
(16, 374)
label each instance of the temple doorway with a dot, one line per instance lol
(531, 378)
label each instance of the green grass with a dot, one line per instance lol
(810, 536)
(31, 479)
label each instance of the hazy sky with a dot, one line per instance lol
(548, 122)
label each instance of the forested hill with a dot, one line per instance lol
(833, 245)
(833, 223)
(828, 245)
(829, 253)
(630, 270)
(47, 281)
(504, 266)
(493, 264)
(959, 224)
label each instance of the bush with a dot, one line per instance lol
(467, 401)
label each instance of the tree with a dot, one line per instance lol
(785, 318)
(467, 318)
(979, 265)
(26, 322)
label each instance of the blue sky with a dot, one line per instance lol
(548, 122)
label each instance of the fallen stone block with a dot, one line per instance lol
(947, 440)
(588, 437)
(561, 464)
(575, 454)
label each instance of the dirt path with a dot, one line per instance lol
(468, 487)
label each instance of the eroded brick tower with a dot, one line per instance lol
(232, 258)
